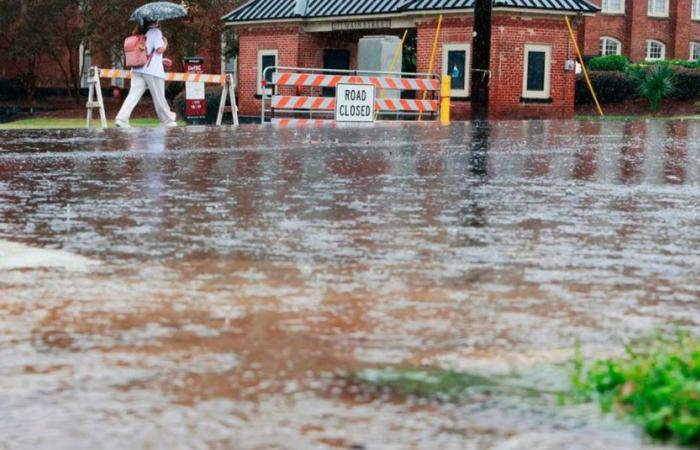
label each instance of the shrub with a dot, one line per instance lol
(610, 87)
(173, 89)
(654, 83)
(11, 90)
(687, 84)
(657, 385)
(609, 63)
(213, 98)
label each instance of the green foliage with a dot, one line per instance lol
(609, 63)
(610, 87)
(657, 385)
(654, 83)
(442, 385)
(687, 84)
(409, 58)
(675, 63)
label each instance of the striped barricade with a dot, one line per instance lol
(294, 91)
(170, 76)
(328, 104)
(322, 80)
(95, 100)
(303, 123)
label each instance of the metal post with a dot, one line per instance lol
(445, 94)
(481, 63)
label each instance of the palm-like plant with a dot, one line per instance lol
(654, 83)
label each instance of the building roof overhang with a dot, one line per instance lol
(287, 11)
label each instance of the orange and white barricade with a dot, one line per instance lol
(283, 100)
(95, 100)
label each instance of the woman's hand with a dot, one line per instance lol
(162, 49)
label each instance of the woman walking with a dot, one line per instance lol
(150, 76)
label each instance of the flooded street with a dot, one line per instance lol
(213, 288)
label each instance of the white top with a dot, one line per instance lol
(154, 40)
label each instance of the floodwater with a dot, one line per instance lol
(212, 288)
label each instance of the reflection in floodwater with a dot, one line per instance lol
(245, 272)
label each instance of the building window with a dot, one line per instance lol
(266, 58)
(85, 62)
(695, 15)
(229, 61)
(658, 8)
(655, 50)
(456, 63)
(538, 64)
(613, 7)
(610, 46)
(117, 59)
(695, 51)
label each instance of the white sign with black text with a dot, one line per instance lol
(354, 103)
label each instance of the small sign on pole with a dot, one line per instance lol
(354, 103)
(195, 98)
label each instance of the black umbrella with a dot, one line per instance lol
(156, 11)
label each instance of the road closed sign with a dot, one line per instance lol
(354, 103)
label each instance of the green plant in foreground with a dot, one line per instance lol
(654, 83)
(657, 385)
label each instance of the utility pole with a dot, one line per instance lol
(481, 59)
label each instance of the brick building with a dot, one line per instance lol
(644, 29)
(531, 55)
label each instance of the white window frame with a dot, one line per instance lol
(695, 10)
(84, 63)
(261, 53)
(605, 8)
(694, 45)
(546, 93)
(653, 12)
(225, 62)
(649, 42)
(617, 42)
(466, 48)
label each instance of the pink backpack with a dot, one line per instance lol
(135, 51)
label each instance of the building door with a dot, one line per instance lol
(335, 60)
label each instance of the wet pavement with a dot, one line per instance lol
(211, 288)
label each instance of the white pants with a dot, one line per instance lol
(139, 83)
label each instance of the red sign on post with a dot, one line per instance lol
(195, 99)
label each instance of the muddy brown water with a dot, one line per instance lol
(240, 274)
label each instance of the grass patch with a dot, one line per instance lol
(444, 385)
(657, 385)
(37, 123)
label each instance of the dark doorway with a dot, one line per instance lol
(335, 60)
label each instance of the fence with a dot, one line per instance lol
(95, 100)
(294, 91)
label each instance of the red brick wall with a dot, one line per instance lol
(295, 49)
(454, 31)
(635, 27)
(286, 40)
(510, 34)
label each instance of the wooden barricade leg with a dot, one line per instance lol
(234, 105)
(227, 91)
(90, 101)
(222, 103)
(95, 99)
